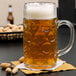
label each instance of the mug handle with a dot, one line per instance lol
(72, 36)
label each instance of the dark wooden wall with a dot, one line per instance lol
(67, 10)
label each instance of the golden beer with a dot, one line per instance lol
(40, 42)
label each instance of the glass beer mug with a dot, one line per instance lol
(40, 42)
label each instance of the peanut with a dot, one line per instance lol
(8, 70)
(20, 27)
(1, 28)
(21, 59)
(6, 29)
(5, 65)
(12, 67)
(14, 70)
(9, 25)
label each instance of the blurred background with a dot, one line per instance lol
(17, 7)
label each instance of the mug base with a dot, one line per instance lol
(38, 68)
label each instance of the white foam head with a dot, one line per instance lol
(40, 11)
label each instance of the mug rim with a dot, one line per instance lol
(39, 3)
